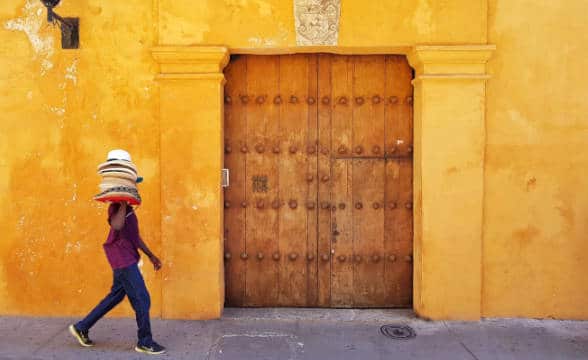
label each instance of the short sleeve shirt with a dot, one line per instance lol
(121, 246)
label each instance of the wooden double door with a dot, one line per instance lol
(319, 209)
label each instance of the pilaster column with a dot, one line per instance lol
(449, 136)
(191, 132)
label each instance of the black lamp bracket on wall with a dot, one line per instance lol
(70, 27)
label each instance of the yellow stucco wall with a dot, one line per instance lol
(270, 23)
(60, 111)
(536, 203)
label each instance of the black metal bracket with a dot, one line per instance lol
(70, 35)
(70, 29)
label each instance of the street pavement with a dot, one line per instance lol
(302, 334)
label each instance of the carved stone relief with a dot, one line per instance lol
(317, 21)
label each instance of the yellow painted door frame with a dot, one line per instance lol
(449, 143)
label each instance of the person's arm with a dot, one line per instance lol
(154, 259)
(117, 221)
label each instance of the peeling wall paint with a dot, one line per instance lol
(30, 22)
(71, 72)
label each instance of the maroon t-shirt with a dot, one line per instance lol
(122, 245)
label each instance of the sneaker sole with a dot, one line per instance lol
(74, 333)
(138, 349)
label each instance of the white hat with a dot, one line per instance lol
(118, 155)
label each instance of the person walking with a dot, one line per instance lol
(121, 248)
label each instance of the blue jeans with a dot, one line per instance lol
(127, 281)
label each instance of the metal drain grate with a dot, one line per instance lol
(398, 332)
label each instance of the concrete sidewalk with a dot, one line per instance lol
(302, 334)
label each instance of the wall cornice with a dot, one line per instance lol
(176, 60)
(447, 62)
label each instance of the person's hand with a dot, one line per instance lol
(156, 262)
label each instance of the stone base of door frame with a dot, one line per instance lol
(449, 144)
(323, 314)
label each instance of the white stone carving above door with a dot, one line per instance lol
(317, 21)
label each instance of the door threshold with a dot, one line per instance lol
(320, 314)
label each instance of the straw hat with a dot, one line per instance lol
(119, 175)
(114, 182)
(120, 193)
(119, 179)
(118, 154)
(117, 169)
(118, 163)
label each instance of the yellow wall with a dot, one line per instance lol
(62, 110)
(536, 203)
(191, 117)
(270, 23)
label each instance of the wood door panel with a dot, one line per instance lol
(398, 123)
(320, 202)
(342, 110)
(368, 112)
(262, 181)
(324, 200)
(295, 72)
(342, 279)
(399, 232)
(368, 231)
(313, 148)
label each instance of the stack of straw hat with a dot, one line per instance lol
(119, 179)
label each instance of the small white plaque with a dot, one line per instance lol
(225, 177)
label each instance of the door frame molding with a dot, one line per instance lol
(449, 150)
